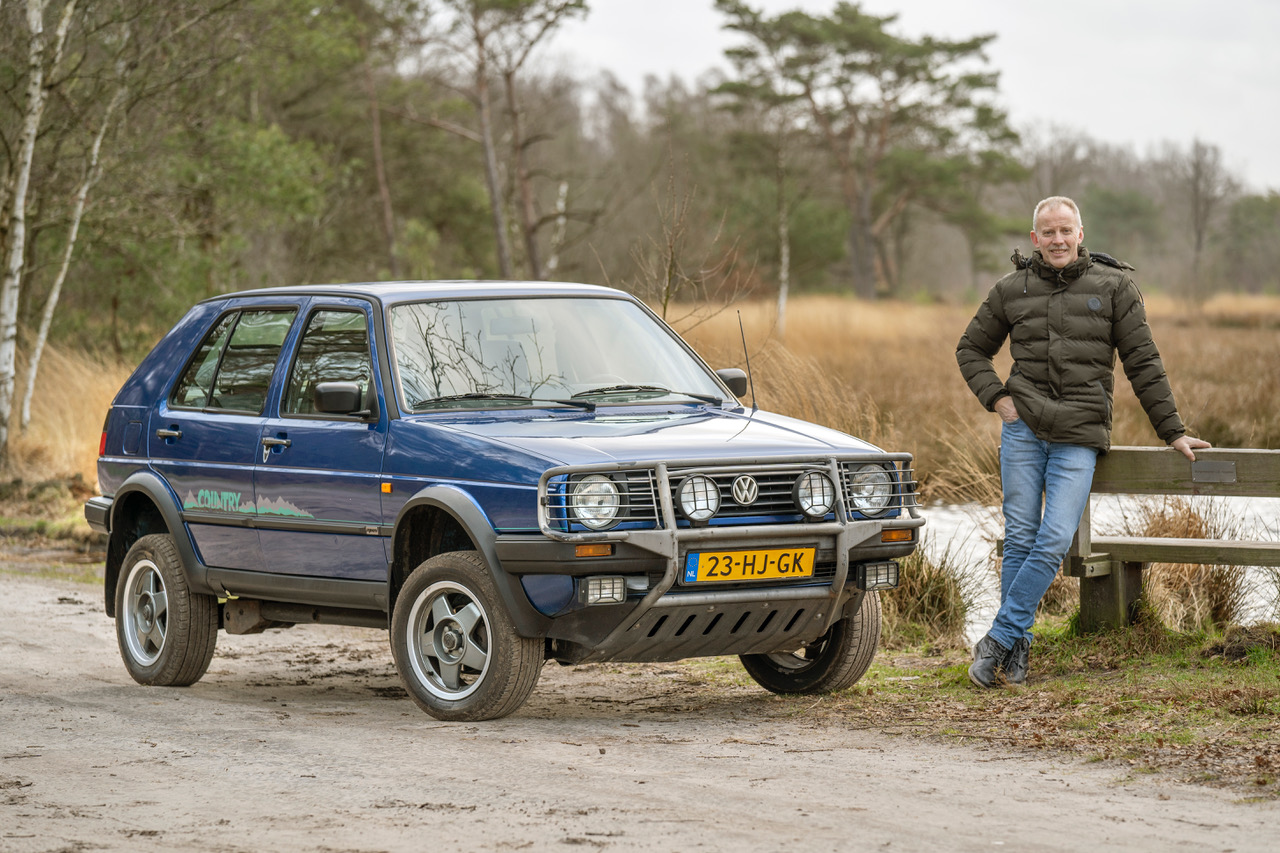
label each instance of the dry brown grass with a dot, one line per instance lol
(1190, 597)
(891, 365)
(74, 391)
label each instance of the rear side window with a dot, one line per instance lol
(334, 348)
(232, 367)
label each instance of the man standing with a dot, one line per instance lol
(1066, 313)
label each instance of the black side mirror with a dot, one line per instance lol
(337, 398)
(734, 379)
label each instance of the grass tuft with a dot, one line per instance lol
(1185, 596)
(932, 601)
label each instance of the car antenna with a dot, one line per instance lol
(755, 407)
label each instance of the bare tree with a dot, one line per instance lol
(1205, 184)
(497, 37)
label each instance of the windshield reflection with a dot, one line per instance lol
(499, 353)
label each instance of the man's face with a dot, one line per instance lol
(1058, 235)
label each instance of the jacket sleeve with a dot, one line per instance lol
(1132, 339)
(983, 338)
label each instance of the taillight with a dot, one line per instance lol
(102, 444)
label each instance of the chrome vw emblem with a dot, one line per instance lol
(745, 490)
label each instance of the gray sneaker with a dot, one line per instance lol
(988, 667)
(1015, 668)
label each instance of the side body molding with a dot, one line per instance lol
(464, 510)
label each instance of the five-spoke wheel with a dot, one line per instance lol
(166, 633)
(456, 649)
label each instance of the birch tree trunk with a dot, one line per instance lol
(490, 154)
(92, 171)
(13, 268)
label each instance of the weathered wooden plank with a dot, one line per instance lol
(1165, 471)
(1219, 552)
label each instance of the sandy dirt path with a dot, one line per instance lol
(304, 740)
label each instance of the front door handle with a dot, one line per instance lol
(275, 442)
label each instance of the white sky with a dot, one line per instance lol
(1126, 72)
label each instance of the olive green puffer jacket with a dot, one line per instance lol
(1064, 329)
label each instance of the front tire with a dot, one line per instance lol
(455, 647)
(834, 661)
(166, 633)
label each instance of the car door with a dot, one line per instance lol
(205, 435)
(318, 479)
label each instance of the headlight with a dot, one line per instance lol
(870, 489)
(699, 497)
(595, 501)
(814, 493)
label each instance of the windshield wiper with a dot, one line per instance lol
(648, 389)
(519, 398)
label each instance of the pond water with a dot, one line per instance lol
(965, 536)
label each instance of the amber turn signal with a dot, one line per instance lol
(895, 535)
(601, 549)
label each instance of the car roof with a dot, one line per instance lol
(411, 291)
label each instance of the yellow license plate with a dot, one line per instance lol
(748, 565)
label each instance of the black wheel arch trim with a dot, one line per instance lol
(153, 486)
(464, 509)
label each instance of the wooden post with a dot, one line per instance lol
(1110, 600)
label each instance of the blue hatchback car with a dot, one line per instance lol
(498, 473)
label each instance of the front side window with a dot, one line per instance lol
(233, 366)
(334, 348)
(494, 352)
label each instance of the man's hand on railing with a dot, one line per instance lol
(1186, 444)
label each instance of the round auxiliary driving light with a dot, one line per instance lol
(595, 501)
(814, 493)
(870, 489)
(699, 497)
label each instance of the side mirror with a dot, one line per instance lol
(735, 379)
(337, 398)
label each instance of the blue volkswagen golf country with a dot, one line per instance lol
(497, 473)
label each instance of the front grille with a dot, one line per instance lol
(774, 491)
(774, 503)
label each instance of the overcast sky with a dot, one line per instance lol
(1128, 72)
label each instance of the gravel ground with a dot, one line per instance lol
(304, 740)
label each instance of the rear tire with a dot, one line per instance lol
(834, 661)
(166, 633)
(456, 649)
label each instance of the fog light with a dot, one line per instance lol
(609, 589)
(872, 576)
(814, 493)
(699, 497)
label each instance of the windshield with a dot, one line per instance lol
(534, 351)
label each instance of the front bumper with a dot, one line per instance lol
(670, 621)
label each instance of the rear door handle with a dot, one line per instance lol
(275, 442)
(168, 433)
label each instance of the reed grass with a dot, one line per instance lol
(1183, 596)
(74, 390)
(935, 594)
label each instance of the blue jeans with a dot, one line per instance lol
(1046, 489)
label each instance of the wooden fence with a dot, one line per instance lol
(1110, 567)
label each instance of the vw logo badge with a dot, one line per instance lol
(745, 490)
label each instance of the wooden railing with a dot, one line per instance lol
(1110, 567)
